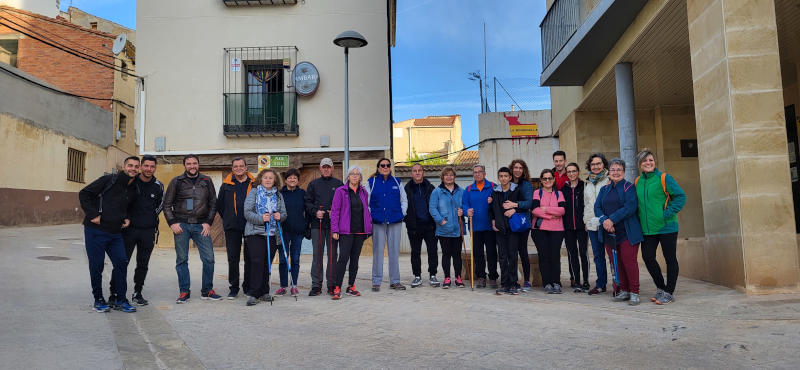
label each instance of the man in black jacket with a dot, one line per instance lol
(190, 205)
(420, 225)
(141, 234)
(105, 203)
(318, 200)
(230, 205)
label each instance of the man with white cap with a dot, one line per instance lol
(318, 200)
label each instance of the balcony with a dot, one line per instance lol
(578, 34)
(258, 2)
(260, 114)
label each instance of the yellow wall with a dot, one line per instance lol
(36, 158)
(425, 140)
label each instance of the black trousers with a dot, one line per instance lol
(142, 240)
(233, 245)
(522, 251)
(507, 254)
(669, 248)
(349, 252)
(485, 239)
(577, 248)
(415, 238)
(548, 244)
(258, 276)
(451, 249)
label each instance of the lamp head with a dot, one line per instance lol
(350, 39)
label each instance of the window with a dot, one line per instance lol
(264, 93)
(124, 71)
(93, 25)
(8, 51)
(123, 126)
(76, 164)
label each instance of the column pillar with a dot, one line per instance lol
(748, 209)
(626, 119)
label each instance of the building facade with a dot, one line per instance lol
(224, 79)
(432, 135)
(712, 88)
(499, 147)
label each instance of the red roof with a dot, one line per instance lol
(436, 120)
(467, 157)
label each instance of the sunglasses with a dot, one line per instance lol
(547, 179)
(385, 165)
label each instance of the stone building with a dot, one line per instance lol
(712, 87)
(432, 135)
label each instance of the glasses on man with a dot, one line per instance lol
(385, 165)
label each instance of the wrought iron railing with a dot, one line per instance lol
(558, 26)
(259, 114)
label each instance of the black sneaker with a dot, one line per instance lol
(112, 301)
(556, 288)
(315, 291)
(513, 291)
(499, 291)
(417, 282)
(481, 283)
(397, 286)
(233, 294)
(124, 306)
(138, 299)
(212, 295)
(183, 298)
(266, 298)
(585, 287)
(100, 305)
(376, 288)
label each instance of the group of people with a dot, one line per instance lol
(265, 219)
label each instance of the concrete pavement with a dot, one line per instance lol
(48, 323)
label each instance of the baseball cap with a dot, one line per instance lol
(326, 162)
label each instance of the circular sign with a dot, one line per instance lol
(306, 78)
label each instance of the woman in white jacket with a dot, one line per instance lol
(598, 177)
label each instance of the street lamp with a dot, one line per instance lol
(347, 40)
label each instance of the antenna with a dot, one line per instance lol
(119, 44)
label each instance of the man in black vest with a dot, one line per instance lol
(420, 225)
(230, 205)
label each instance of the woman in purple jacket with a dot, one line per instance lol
(351, 224)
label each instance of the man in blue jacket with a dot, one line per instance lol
(476, 201)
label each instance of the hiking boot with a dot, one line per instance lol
(138, 299)
(124, 306)
(526, 287)
(417, 282)
(513, 291)
(351, 290)
(493, 283)
(295, 292)
(183, 298)
(446, 284)
(267, 298)
(233, 294)
(585, 287)
(548, 289)
(100, 305)
(376, 288)
(212, 295)
(252, 301)
(337, 294)
(315, 291)
(435, 282)
(634, 299)
(622, 296)
(597, 290)
(481, 283)
(658, 295)
(281, 291)
(459, 283)
(557, 288)
(397, 286)
(666, 298)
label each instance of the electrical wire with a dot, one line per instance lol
(474, 145)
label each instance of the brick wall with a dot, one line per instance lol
(59, 68)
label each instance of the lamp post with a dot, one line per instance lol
(347, 40)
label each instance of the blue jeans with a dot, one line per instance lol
(98, 244)
(599, 258)
(206, 249)
(293, 244)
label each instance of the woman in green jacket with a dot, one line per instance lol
(660, 200)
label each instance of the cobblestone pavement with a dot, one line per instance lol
(47, 322)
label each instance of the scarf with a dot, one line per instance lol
(594, 179)
(267, 202)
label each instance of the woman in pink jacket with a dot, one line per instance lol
(548, 230)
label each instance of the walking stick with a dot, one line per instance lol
(471, 259)
(615, 264)
(269, 259)
(286, 256)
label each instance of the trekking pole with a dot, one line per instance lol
(330, 258)
(614, 262)
(471, 259)
(269, 259)
(464, 245)
(320, 242)
(286, 256)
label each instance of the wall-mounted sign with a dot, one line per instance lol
(272, 161)
(521, 130)
(236, 65)
(306, 78)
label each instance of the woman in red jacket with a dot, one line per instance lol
(548, 230)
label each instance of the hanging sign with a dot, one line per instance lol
(306, 78)
(522, 130)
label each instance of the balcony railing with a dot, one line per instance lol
(261, 114)
(560, 23)
(258, 2)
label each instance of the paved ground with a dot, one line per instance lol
(47, 323)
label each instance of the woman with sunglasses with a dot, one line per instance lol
(521, 177)
(387, 205)
(575, 235)
(597, 165)
(616, 207)
(548, 230)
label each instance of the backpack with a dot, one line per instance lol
(663, 187)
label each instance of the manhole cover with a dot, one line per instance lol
(52, 258)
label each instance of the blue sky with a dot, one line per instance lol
(438, 43)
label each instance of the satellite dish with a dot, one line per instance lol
(119, 43)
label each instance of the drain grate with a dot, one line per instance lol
(52, 258)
